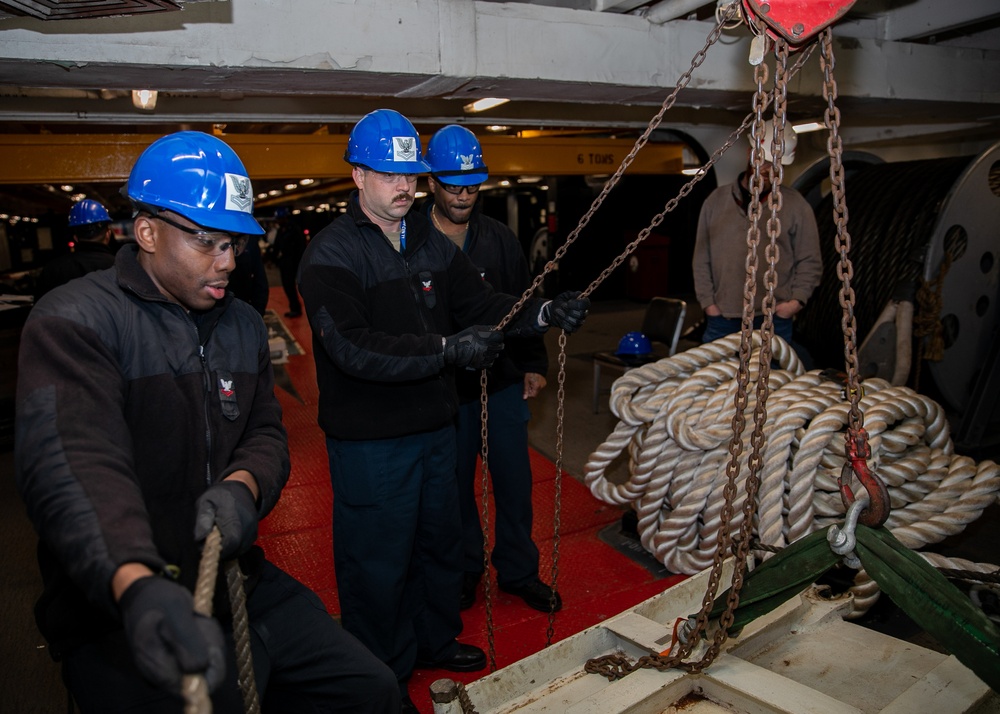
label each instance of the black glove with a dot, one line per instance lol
(567, 311)
(168, 639)
(474, 347)
(229, 505)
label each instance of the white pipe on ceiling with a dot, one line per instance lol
(668, 10)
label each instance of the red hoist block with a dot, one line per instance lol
(797, 20)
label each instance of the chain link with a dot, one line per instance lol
(845, 270)
(484, 518)
(557, 513)
(682, 82)
(614, 666)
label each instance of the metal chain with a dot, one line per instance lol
(755, 461)
(689, 186)
(615, 666)
(682, 82)
(761, 100)
(857, 449)
(484, 518)
(845, 270)
(557, 513)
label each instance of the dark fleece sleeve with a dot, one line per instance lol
(73, 456)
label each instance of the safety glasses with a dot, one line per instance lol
(214, 243)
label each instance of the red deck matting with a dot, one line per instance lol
(595, 580)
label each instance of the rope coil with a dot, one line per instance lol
(674, 425)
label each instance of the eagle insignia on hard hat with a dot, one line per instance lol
(404, 148)
(239, 195)
(467, 164)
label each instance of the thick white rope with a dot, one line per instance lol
(675, 424)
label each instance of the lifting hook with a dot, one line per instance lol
(857, 451)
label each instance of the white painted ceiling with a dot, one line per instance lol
(268, 64)
(909, 72)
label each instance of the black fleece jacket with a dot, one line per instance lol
(128, 408)
(497, 254)
(378, 317)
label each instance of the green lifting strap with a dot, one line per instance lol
(779, 579)
(932, 602)
(912, 583)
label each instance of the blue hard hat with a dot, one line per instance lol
(86, 212)
(384, 140)
(197, 176)
(455, 156)
(634, 344)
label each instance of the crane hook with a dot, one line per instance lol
(857, 451)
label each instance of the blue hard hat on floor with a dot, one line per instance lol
(634, 344)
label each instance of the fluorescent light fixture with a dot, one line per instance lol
(481, 105)
(505, 182)
(691, 172)
(291, 186)
(66, 187)
(808, 126)
(497, 128)
(420, 194)
(274, 192)
(144, 99)
(307, 182)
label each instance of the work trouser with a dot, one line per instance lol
(397, 545)
(303, 662)
(717, 326)
(514, 555)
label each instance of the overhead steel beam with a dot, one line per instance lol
(32, 159)
(924, 18)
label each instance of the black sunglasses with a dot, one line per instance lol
(456, 190)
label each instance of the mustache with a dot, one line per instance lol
(402, 197)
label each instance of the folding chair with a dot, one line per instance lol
(662, 324)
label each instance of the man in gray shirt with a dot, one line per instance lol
(720, 250)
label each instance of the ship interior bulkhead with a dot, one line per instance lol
(611, 122)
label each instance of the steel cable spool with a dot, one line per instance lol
(893, 209)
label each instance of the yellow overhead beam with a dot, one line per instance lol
(60, 158)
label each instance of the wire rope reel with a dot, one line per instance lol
(905, 217)
(965, 239)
